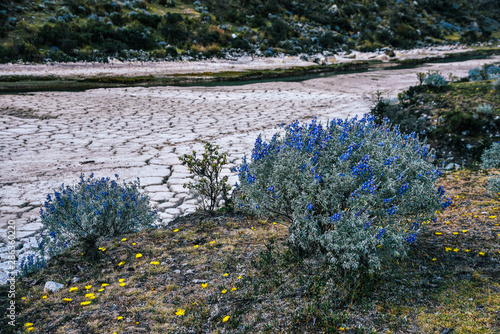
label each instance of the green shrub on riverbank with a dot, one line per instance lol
(460, 120)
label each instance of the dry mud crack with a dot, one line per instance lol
(49, 138)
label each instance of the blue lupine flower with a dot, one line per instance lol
(391, 210)
(336, 217)
(411, 238)
(380, 233)
(310, 207)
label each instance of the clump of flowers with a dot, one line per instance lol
(356, 193)
(93, 208)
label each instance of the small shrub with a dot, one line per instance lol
(356, 193)
(31, 263)
(91, 209)
(421, 78)
(488, 72)
(435, 80)
(484, 109)
(494, 186)
(491, 156)
(209, 185)
(496, 86)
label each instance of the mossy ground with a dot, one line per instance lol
(450, 280)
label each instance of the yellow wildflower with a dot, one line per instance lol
(492, 217)
(119, 318)
(121, 280)
(155, 263)
(467, 250)
(104, 285)
(88, 295)
(204, 285)
(456, 250)
(465, 231)
(67, 299)
(438, 233)
(224, 291)
(239, 277)
(124, 239)
(226, 274)
(234, 289)
(44, 297)
(100, 290)
(121, 263)
(180, 312)
(123, 284)
(212, 242)
(138, 255)
(28, 324)
(133, 244)
(434, 259)
(447, 249)
(176, 230)
(196, 246)
(86, 303)
(482, 253)
(226, 318)
(73, 289)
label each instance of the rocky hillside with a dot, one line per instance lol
(67, 30)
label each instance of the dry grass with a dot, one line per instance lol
(268, 290)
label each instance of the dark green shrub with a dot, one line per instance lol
(209, 185)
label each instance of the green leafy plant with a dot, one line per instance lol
(209, 185)
(355, 193)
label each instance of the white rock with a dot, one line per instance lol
(52, 286)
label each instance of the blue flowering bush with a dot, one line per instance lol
(355, 193)
(93, 208)
(491, 156)
(488, 72)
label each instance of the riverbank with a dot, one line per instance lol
(18, 78)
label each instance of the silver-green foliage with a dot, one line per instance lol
(435, 79)
(491, 156)
(356, 194)
(93, 208)
(484, 108)
(494, 185)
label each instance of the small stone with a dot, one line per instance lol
(52, 286)
(177, 271)
(75, 279)
(189, 271)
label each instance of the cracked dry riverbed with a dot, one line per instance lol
(49, 138)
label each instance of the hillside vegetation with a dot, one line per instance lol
(68, 30)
